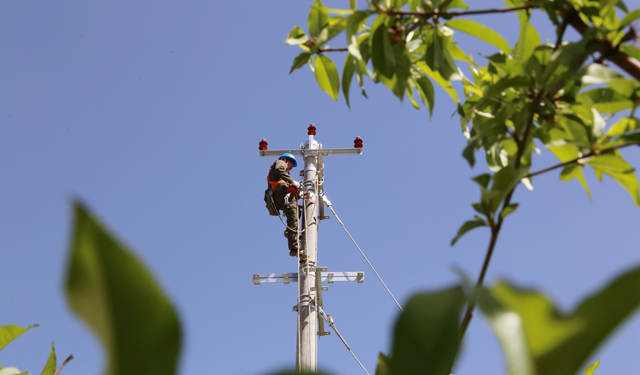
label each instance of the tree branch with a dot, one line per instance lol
(611, 53)
(322, 50)
(69, 358)
(495, 230)
(576, 160)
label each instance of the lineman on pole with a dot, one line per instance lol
(283, 190)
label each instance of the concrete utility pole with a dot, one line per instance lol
(309, 287)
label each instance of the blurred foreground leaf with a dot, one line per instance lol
(50, 366)
(427, 335)
(114, 293)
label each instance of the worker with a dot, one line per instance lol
(285, 196)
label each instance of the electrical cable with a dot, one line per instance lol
(332, 324)
(328, 203)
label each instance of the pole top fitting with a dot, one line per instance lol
(357, 143)
(311, 130)
(263, 145)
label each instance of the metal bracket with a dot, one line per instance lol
(324, 288)
(285, 278)
(360, 277)
(328, 277)
(256, 279)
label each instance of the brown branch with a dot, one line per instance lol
(611, 53)
(495, 230)
(69, 358)
(321, 50)
(430, 14)
(577, 160)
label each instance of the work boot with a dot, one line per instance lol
(303, 255)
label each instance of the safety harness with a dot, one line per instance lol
(268, 194)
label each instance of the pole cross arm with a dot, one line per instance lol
(313, 152)
(286, 278)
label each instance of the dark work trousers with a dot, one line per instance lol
(292, 212)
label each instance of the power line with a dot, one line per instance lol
(328, 202)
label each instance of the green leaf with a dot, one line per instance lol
(427, 336)
(572, 171)
(382, 53)
(481, 32)
(527, 42)
(300, 61)
(383, 365)
(446, 85)
(592, 368)
(610, 164)
(467, 226)
(403, 69)
(630, 50)
(347, 76)
(327, 76)
(629, 17)
(425, 87)
(318, 18)
(115, 294)
(10, 332)
(354, 23)
(434, 55)
(296, 36)
(600, 315)
(605, 100)
(504, 181)
(508, 210)
(50, 366)
(353, 4)
(509, 329)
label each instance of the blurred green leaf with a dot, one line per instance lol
(296, 36)
(327, 76)
(9, 332)
(509, 329)
(605, 100)
(592, 368)
(50, 366)
(300, 61)
(572, 171)
(508, 210)
(610, 164)
(481, 32)
(353, 4)
(467, 226)
(382, 53)
(383, 365)
(354, 23)
(629, 17)
(115, 294)
(12, 371)
(434, 56)
(527, 42)
(426, 90)
(600, 315)
(446, 85)
(427, 336)
(504, 181)
(347, 76)
(318, 18)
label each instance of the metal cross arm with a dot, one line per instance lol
(313, 152)
(286, 278)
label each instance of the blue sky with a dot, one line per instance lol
(151, 114)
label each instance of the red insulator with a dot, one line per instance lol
(357, 143)
(312, 130)
(263, 145)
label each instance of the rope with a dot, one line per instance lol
(332, 324)
(328, 202)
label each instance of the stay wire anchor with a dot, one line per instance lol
(327, 318)
(328, 203)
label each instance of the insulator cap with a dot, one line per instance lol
(263, 145)
(357, 143)
(311, 130)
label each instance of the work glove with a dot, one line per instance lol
(293, 190)
(296, 184)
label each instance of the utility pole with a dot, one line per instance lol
(309, 276)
